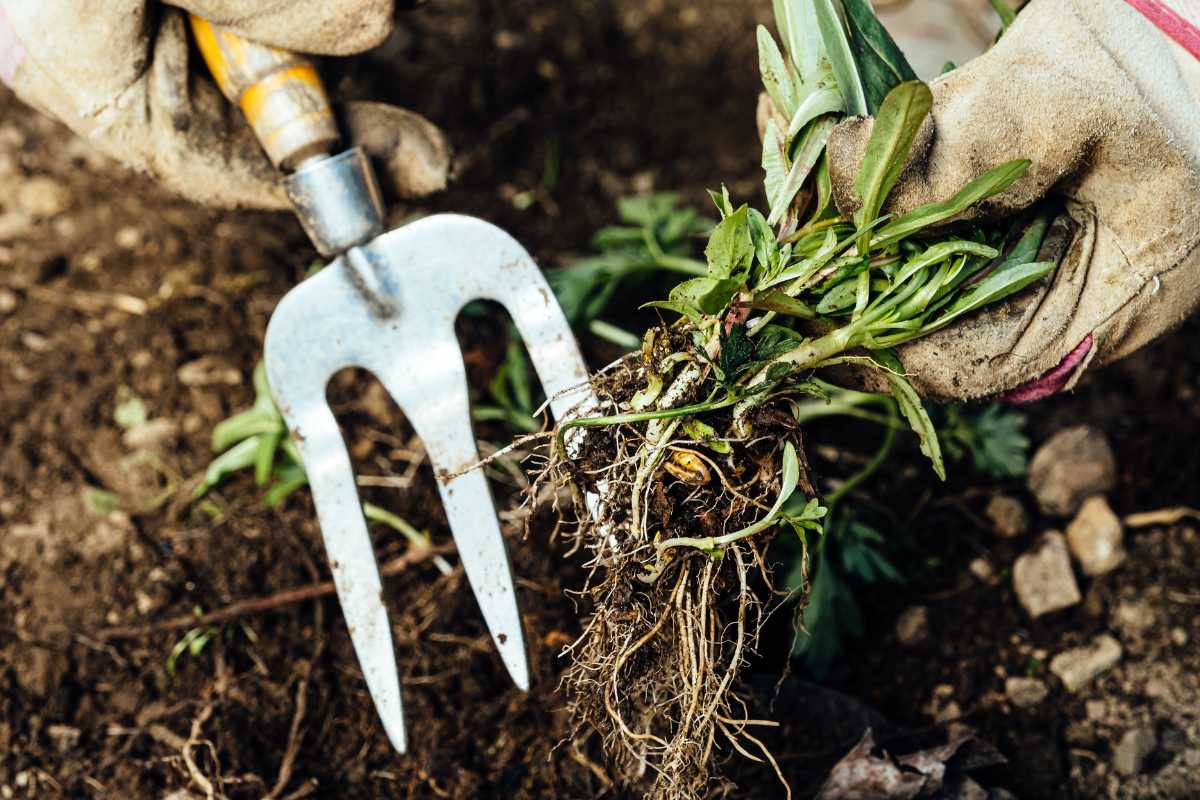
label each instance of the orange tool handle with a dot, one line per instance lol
(279, 92)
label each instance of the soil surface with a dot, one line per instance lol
(110, 288)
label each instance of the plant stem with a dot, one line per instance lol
(881, 455)
(611, 333)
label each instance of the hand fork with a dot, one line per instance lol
(387, 303)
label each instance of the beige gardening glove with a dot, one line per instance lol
(1107, 107)
(120, 74)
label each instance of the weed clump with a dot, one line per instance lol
(695, 461)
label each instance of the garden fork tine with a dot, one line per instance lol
(388, 303)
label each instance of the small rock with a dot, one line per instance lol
(1179, 637)
(1071, 466)
(1080, 665)
(1129, 756)
(912, 627)
(1158, 689)
(15, 224)
(981, 569)
(153, 435)
(65, 737)
(1094, 537)
(207, 371)
(1096, 710)
(8, 301)
(1025, 692)
(1192, 757)
(1008, 516)
(1042, 577)
(128, 238)
(42, 197)
(1133, 617)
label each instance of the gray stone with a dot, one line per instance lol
(1071, 466)
(1129, 756)
(1095, 537)
(1025, 692)
(1079, 666)
(1008, 516)
(912, 626)
(1042, 577)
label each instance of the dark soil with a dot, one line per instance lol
(556, 109)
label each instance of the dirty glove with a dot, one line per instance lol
(1107, 107)
(122, 77)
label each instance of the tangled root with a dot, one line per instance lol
(655, 674)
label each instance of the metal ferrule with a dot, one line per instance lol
(337, 200)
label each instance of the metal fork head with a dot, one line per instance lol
(389, 307)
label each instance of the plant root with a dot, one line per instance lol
(654, 677)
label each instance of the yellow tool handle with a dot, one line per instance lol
(279, 92)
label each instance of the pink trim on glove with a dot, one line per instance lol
(1053, 381)
(1170, 22)
(12, 52)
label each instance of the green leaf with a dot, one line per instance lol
(706, 435)
(721, 201)
(896, 126)
(989, 183)
(781, 303)
(736, 352)
(688, 310)
(839, 298)
(821, 101)
(995, 287)
(646, 209)
(775, 340)
(940, 252)
(774, 164)
(1005, 12)
(912, 408)
(776, 77)
(264, 456)
(240, 456)
(812, 146)
(881, 64)
(841, 56)
(730, 248)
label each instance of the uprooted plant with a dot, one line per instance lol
(698, 458)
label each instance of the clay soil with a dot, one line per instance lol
(113, 288)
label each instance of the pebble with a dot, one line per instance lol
(153, 435)
(1071, 466)
(1008, 516)
(1129, 756)
(912, 626)
(1042, 577)
(42, 197)
(1096, 710)
(981, 569)
(128, 238)
(1133, 617)
(65, 737)
(8, 301)
(1179, 637)
(208, 371)
(1078, 666)
(1025, 692)
(1095, 537)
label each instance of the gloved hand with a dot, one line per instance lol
(1107, 107)
(122, 77)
